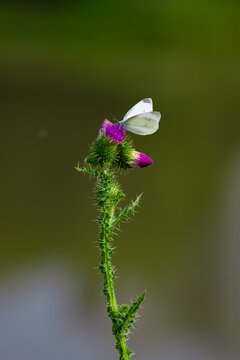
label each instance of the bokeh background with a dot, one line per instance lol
(64, 67)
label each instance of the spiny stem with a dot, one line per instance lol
(108, 205)
(123, 350)
(106, 267)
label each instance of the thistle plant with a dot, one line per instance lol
(112, 153)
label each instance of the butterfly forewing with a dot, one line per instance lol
(142, 106)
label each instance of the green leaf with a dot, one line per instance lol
(88, 170)
(124, 213)
(129, 314)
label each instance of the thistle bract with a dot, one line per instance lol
(102, 152)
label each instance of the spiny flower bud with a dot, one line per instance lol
(114, 132)
(141, 160)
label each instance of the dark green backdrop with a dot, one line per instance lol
(64, 67)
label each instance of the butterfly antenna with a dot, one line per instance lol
(112, 116)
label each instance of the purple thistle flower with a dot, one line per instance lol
(114, 132)
(141, 160)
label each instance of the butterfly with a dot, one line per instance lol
(141, 119)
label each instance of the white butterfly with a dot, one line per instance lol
(141, 119)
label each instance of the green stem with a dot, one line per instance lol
(123, 350)
(108, 207)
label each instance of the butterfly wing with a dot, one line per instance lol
(143, 124)
(142, 106)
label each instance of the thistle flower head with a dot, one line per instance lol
(114, 132)
(114, 149)
(140, 159)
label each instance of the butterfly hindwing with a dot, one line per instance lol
(143, 124)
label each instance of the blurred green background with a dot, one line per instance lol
(64, 67)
